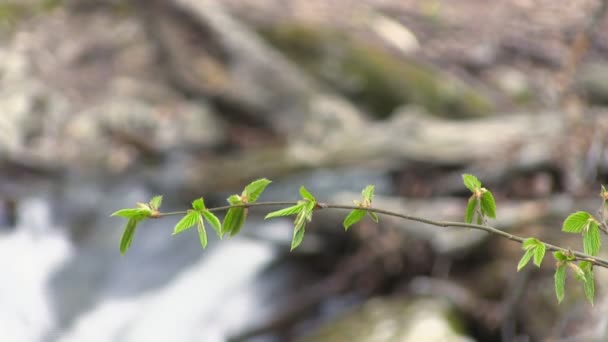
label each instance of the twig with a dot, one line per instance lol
(445, 224)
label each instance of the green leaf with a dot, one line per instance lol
(186, 222)
(234, 221)
(308, 209)
(530, 243)
(214, 221)
(368, 194)
(287, 211)
(353, 217)
(373, 215)
(560, 282)
(539, 253)
(576, 222)
(300, 221)
(127, 235)
(591, 239)
(480, 220)
(470, 211)
(298, 236)
(488, 205)
(202, 234)
(156, 202)
(235, 200)
(198, 204)
(306, 194)
(560, 256)
(589, 284)
(525, 259)
(471, 182)
(578, 272)
(253, 191)
(136, 213)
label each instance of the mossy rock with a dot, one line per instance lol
(13, 11)
(371, 76)
(395, 319)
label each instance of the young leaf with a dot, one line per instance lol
(306, 194)
(202, 234)
(353, 217)
(156, 201)
(560, 282)
(488, 205)
(136, 213)
(530, 243)
(470, 211)
(186, 222)
(214, 221)
(471, 182)
(298, 236)
(253, 191)
(235, 200)
(525, 259)
(198, 204)
(287, 211)
(234, 221)
(308, 209)
(368, 194)
(578, 272)
(576, 222)
(591, 239)
(373, 215)
(539, 253)
(589, 284)
(300, 221)
(127, 235)
(560, 256)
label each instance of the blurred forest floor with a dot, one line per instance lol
(203, 96)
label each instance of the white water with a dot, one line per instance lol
(195, 306)
(206, 301)
(28, 257)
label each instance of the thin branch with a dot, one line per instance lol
(445, 224)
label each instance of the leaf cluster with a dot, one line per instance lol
(364, 207)
(303, 212)
(481, 204)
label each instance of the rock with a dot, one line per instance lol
(91, 101)
(371, 76)
(513, 83)
(395, 319)
(31, 111)
(592, 80)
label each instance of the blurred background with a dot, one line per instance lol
(105, 103)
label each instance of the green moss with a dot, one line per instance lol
(11, 13)
(372, 77)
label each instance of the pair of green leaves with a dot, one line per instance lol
(234, 219)
(303, 211)
(357, 214)
(481, 203)
(533, 248)
(584, 223)
(583, 272)
(134, 216)
(198, 215)
(236, 216)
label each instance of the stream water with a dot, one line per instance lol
(69, 283)
(63, 278)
